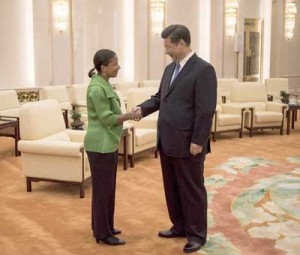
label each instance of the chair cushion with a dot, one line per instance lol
(40, 119)
(61, 137)
(245, 92)
(149, 121)
(14, 112)
(229, 119)
(265, 116)
(65, 106)
(9, 99)
(77, 93)
(81, 102)
(258, 106)
(144, 136)
(150, 83)
(138, 95)
(57, 92)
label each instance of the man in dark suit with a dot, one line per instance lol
(186, 101)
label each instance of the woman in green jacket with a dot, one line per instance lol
(105, 124)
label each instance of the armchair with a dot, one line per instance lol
(274, 86)
(77, 96)
(137, 96)
(124, 87)
(262, 113)
(60, 94)
(150, 83)
(144, 132)
(9, 103)
(50, 152)
(227, 118)
(127, 125)
(224, 87)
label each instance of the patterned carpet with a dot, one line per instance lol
(260, 203)
(254, 204)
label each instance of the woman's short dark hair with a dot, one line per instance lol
(176, 33)
(101, 57)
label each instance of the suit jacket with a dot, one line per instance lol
(186, 108)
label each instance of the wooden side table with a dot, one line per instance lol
(293, 108)
(7, 122)
(124, 138)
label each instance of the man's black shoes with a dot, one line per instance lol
(192, 247)
(112, 240)
(169, 234)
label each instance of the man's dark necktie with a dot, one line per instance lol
(176, 72)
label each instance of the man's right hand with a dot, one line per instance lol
(137, 113)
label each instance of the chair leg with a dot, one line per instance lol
(131, 160)
(214, 136)
(156, 154)
(241, 134)
(81, 189)
(250, 132)
(281, 130)
(28, 184)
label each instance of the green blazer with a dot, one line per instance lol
(103, 105)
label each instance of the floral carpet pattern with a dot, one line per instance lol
(269, 209)
(253, 196)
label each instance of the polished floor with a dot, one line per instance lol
(246, 210)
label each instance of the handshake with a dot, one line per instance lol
(136, 113)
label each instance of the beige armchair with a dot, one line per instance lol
(274, 86)
(9, 103)
(262, 113)
(60, 94)
(137, 96)
(77, 96)
(150, 83)
(50, 152)
(127, 125)
(227, 118)
(224, 85)
(124, 87)
(144, 133)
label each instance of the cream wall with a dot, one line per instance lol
(285, 54)
(102, 27)
(35, 54)
(16, 44)
(42, 43)
(224, 54)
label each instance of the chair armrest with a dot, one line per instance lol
(233, 109)
(270, 97)
(9, 117)
(295, 95)
(71, 149)
(76, 135)
(275, 106)
(218, 109)
(224, 99)
(78, 106)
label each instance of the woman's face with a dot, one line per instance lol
(111, 70)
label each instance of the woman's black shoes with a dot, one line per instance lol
(112, 240)
(116, 231)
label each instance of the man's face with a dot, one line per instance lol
(172, 49)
